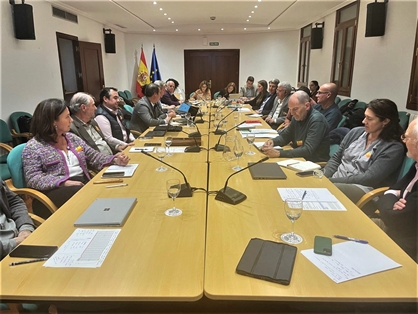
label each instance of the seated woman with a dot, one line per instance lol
(229, 89)
(203, 93)
(55, 160)
(314, 88)
(370, 156)
(262, 92)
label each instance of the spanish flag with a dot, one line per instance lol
(143, 77)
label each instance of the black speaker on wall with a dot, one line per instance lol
(376, 19)
(110, 44)
(23, 21)
(317, 35)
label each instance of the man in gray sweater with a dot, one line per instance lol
(308, 132)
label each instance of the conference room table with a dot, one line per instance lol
(193, 257)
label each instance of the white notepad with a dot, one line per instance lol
(128, 170)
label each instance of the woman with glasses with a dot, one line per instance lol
(371, 156)
(203, 93)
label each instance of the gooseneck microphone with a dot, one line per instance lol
(219, 147)
(220, 132)
(231, 196)
(186, 190)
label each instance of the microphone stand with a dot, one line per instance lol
(196, 148)
(219, 147)
(220, 132)
(231, 196)
(185, 190)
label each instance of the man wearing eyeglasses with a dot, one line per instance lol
(399, 205)
(307, 133)
(327, 106)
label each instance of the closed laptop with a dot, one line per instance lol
(107, 212)
(267, 171)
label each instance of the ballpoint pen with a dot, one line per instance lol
(116, 185)
(350, 239)
(29, 261)
(304, 194)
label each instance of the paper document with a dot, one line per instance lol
(255, 115)
(177, 149)
(85, 248)
(260, 144)
(256, 131)
(244, 110)
(249, 125)
(314, 199)
(258, 135)
(351, 260)
(128, 169)
(148, 149)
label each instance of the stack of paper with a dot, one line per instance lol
(128, 170)
(299, 165)
(313, 198)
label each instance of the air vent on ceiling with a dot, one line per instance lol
(64, 15)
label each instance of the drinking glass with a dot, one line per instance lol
(293, 208)
(228, 151)
(238, 151)
(250, 140)
(161, 154)
(173, 190)
(236, 118)
(168, 142)
(188, 117)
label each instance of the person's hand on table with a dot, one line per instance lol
(121, 159)
(22, 236)
(72, 183)
(268, 149)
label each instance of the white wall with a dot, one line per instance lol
(30, 69)
(382, 65)
(264, 56)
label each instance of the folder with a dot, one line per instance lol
(268, 260)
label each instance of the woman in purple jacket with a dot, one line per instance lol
(55, 161)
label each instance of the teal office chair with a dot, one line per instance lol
(215, 96)
(128, 94)
(343, 102)
(6, 141)
(128, 108)
(337, 100)
(122, 94)
(333, 149)
(15, 130)
(18, 183)
(360, 104)
(191, 94)
(341, 123)
(404, 119)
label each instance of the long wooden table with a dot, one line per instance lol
(159, 258)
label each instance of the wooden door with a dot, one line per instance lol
(218, 67)
(92, 68)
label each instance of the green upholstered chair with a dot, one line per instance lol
(215, 96)
(341, 123)
(343, 102)
(15, 130)
(191, 94)
(6, 140)
(337, 100)
(128, 108)
(404, 119)
(17, 183)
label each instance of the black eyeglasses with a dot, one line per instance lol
(321, 93)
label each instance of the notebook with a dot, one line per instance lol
(267, 171)
(106, 212)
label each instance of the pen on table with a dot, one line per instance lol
(29, 261)
(350, 239)
(304, 194)
(116, 185)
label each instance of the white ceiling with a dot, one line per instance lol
(190, 16)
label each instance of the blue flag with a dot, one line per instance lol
(155, 70)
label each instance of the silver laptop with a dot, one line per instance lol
(234, 96)
(107, 212)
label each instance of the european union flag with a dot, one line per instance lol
(155, 70)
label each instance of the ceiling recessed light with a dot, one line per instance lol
(245, 28)
(165, 13)
(256, 6)
(249, 16)
(172, 22)
(198, 29)
(252, 12)
(222, 29)
(248, 20)
(259, 0)
(161, 9)
(169, 18)
(153, 30)
(268, 27)
(155, 2)
(177, 30)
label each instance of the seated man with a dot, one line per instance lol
(110, 118)
(398, 206)
(16, 225)
(82, 107)
(148, 112)
(279, 110)
(327, 106)
(248, 91)
(270, 100)
(307, 132)
(169, 98)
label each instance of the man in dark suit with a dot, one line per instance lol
(280, 108)
(271, 99)
(398, 207)
(83, 108)
(148, 111)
